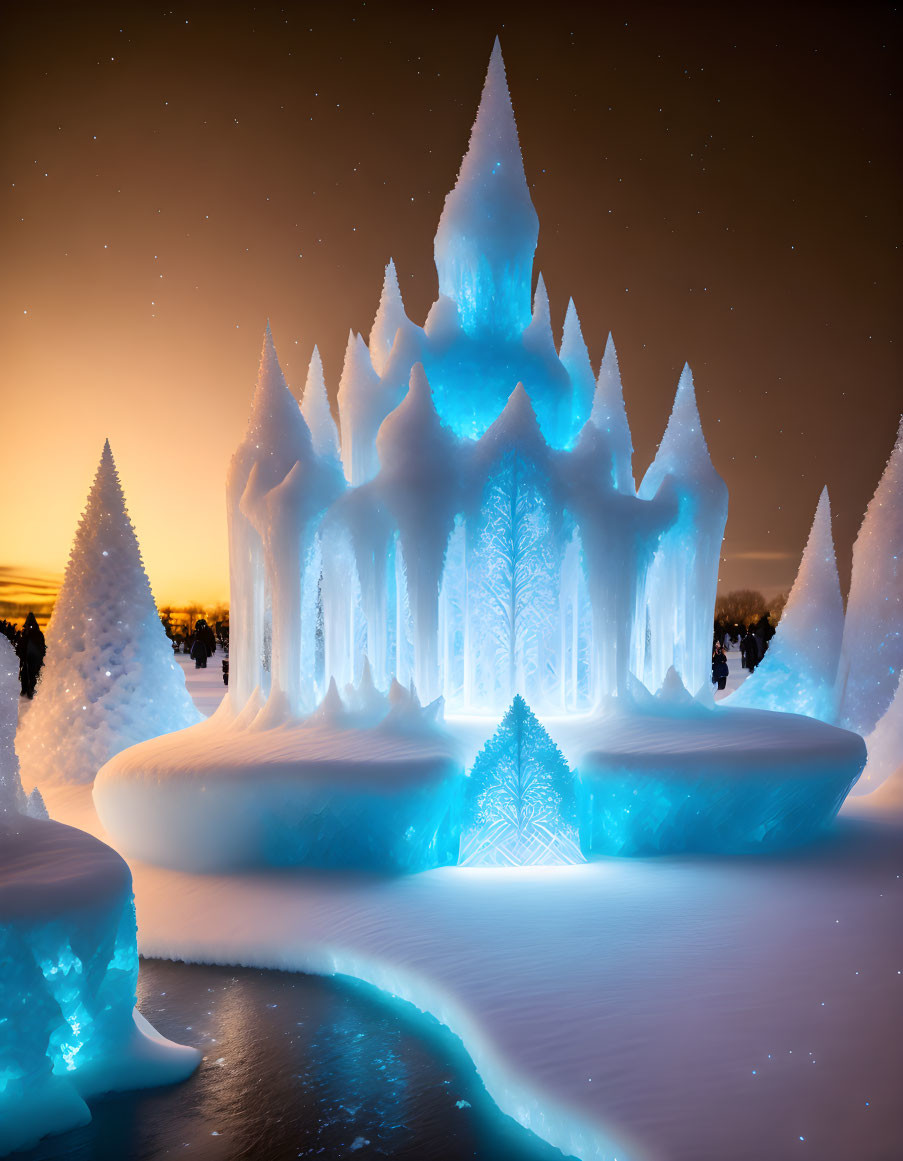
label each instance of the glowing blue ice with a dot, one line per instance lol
(520, 798)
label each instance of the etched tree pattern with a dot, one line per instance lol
(520, 807)
(515, 597)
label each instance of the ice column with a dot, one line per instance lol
(419, 480)
(680, 588)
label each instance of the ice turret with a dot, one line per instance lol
(488, 229)
(316, 412)
(610, 416)
(682, 581)
(872, 655)
(390, 315)
(418, 480)
(360, 412)
(276, 429)
(799, 669)
(575, 359)
(109, 679)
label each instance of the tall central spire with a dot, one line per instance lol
(488, 229)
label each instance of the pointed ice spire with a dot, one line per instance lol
(390, 315)
(575, 360)
(798, 672)
(610, 417)
(683, 451)
(277, 434)
(518, 425)
(316, 412)
(488, 229)
(538, 335)
(358, 411)
(109, 680)
(872, 656)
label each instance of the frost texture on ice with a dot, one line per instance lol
(799, 670)
(69, 1028)
(369, 781)
(667, 777)
(520, 808)
(871, 659)
(109, 679)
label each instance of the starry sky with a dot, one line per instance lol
(714, 183)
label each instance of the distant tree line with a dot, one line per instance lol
(747, 606)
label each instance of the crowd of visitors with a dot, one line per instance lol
(753, 641)
(30, 648)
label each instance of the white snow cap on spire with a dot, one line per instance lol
(316, 412)
(576, 361)
(872, 656)
(390, 315)
(683, 451)
(488, 229)
(610, 416)
(798, 671)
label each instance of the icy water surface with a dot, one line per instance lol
(297, 1066)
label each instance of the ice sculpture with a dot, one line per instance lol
(473, 534)
(871, 659)
(68, 963)
(369, 781)
(520, 799)
(109, 679)
(798, 672)
(669, 774)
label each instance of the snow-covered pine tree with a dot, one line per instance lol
(520, 807)
(109, 679)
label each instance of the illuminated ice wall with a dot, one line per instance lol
(472, 527)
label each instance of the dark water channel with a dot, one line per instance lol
(297, 1066)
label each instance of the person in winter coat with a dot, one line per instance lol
(198, 651)
(720, 668)
(30, 649)
(749, 651)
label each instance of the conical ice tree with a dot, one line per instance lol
(109, 679)
(871, 659)
(798, 672)
(520, 798)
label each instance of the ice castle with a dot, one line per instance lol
(484, 537)
(467, 546)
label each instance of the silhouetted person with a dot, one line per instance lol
(720, 668)
(30, 649)
(198, 651)
(749, 651)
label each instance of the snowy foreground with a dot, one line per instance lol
(679, 1009)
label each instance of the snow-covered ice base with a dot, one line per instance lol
(691, 1010)
(726, 781)
(325, 792)
(69, 1029)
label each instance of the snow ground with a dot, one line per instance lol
(689, 1009)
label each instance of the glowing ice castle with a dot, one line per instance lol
(470, 541)
(485, 537)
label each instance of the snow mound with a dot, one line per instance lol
(70, 1029)
(724, 780)
(350, 786)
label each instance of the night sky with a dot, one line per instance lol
(719, 184)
